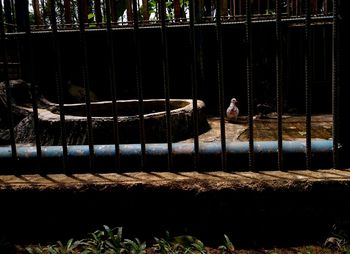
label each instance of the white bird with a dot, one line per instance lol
(232, 111)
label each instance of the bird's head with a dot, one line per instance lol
(234, 101)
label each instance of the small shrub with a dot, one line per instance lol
(227, 247)
(179, 244)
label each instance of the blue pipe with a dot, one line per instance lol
(156, 157)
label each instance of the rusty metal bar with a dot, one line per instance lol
(138, 76)
(7, 85)
(341, 81)
(24, 22)
(84, 10)
(85, 77)
(220, 77)
(59, 84)
(307, 62)
(249, 73)
(113, 83)
(192, 41)
(335, 85)
(165, 65)
(279, 89)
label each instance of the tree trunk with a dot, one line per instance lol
(37, 14)
(145, 10)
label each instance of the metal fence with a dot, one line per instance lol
(23, 21)
(94, 13)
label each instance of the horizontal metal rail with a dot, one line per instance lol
(296, 21)
(266, 153)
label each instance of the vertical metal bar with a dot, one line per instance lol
(59, 86)
(234, 9)
(239, 7)
(165, 64)
(335, 85)
(112, 82)
(130, 13)
(220, 76)
(98, 12)
(192, 41)
(7, 84)
(157, 12)
(315, 9)
(84, 10)
(113, 11)
(307, 62)
(343, 55)
(9, 17)
(85, 76)
(138, 76)
(29, 46)
(297, 12)
(249, 73)
(279, 84)
(67, 12)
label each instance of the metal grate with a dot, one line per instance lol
(24, 25)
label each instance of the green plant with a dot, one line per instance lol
(104, 241)
(34, 250)
(135, 247)
(71, 247)
(228, 246)
(179, 244)
(337, 240)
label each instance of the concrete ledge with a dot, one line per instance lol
(270, 207)
(194, 181)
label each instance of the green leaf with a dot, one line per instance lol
(229, 244)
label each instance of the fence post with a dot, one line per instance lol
(342, 81)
